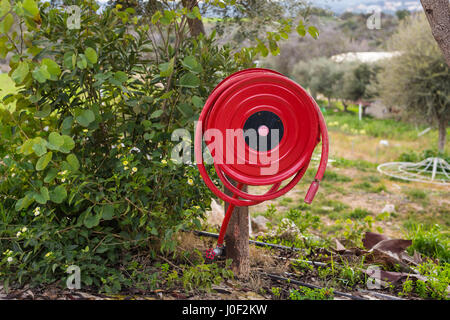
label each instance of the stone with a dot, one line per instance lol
(259, 224)
(389, 208)
(216, 215)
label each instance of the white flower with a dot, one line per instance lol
(10, 259)
(18, 234)
(37, 211)
(190, 182)
(63, 179)
(24, 229)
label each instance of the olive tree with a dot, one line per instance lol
(417, 80)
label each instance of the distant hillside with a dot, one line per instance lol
(365, 6)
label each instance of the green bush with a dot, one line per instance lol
(86, 176)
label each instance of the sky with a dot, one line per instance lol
(360, 5)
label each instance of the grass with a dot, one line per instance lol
(416, 194)
(430, 241)
(357, 213)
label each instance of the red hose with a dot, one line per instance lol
(230, 105)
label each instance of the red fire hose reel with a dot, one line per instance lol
(261, 128)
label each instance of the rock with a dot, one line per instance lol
(287, 230)
(328, 209)
(389, 208)
(216, 215)
(259, 224)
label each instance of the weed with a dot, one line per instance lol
(285, 201)
(333, 176)
(304, 293)
(431, 242)
(416, 194)
(374, 179)
(303, 220)
(357, 213)
(202, 276)
(276, 292)
(407, 288)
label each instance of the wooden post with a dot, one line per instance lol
(236, 239)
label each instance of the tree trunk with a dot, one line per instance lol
(438, 15)
(236, 239)
(195, 25)
(442, 134)
(345, 106)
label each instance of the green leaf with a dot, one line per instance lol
(185, 109)
(55, 141)
(68, 144)
(73, 162)
(43, 161)
(52, 67)
(301, 29)
(44, 112)
(169, 16)
(43, 196)
(58, 194)
(191, 64)
(85, 117)
(273, 46)
(313, 32)
(197, 102)
(121, 76)
(67, 123)
(91, 55)
(52, 173)
(156, 114)
(39, 146)
(107, 212)
(196, 12)
(81, 61)
(5, 6)
(262, 48)
(6, 23)
(20, 73)
(166, 68)
(41, 74)
(156, 16)
(23, 203)
(92, 220)
(69, 60)
(148, 136)
(27, 147)
(189, 80)
(31, 7)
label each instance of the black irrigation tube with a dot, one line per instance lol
(273, 276)
(311, 286)
(256, 243)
